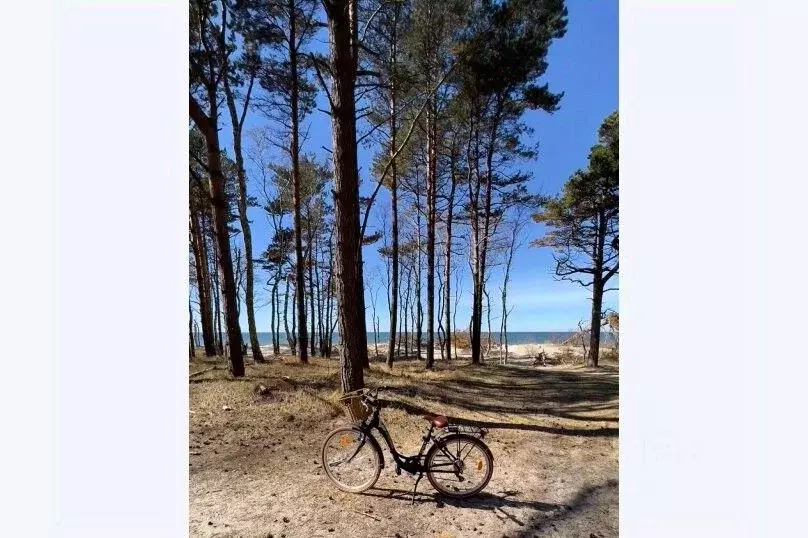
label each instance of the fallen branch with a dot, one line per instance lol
(364, 514)
(202, 371)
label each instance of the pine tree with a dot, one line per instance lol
(583, 225)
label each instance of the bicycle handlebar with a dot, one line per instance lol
(368, 395)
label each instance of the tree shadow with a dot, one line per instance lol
(520, 391)
(473, 401)
(575, 509)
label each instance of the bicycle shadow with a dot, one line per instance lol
(481, 501)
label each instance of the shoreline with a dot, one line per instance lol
(515, 351)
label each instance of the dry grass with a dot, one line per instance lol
(255, 467)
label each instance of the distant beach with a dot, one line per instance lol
(521, 345)
(514, 338)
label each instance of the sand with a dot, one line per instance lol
(517, 352)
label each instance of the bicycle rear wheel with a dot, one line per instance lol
(459, 466)
(351, 459)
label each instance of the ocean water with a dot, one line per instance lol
(514, 338)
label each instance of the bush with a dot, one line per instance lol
(609, 354)
(461, 340)
(567, 356)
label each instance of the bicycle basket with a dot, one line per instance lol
(354, 408)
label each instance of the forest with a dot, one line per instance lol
(373, 241)
(436, 92)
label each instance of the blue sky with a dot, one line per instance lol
(584, 65)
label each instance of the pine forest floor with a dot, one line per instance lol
(255, 469)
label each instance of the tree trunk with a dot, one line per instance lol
(329, 297)
(217, 300)
(598, 285)
(415, 323)
(313, 332)
(503, 331)
(417, 317)
(209, 128)
(200, 250)
(483, 253)
(360, 276)
(273, 299)
(290, 339)
(594, 331)
(476, 320)
(276, 335)
(294, 323)
(406, 317)
(343, 58)
(375, 330)
(319, 302)
(476, 296)
(431, 192)
(245, 223)
(391, 347)
(300, 285)
(488, 317)
(481, 237)
(448, 268)
(191, 330)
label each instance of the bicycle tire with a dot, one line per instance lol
(370, 443)
(443, 442)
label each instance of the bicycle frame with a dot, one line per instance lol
(412, 464)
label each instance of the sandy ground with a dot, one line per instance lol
(255, 470)
(515, 351)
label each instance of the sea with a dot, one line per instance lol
(514, 338)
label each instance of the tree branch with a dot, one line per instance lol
(322, 81)
(198, 115)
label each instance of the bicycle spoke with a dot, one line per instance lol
(461, 467)
(350, 460)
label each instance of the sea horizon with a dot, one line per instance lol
(514, 337)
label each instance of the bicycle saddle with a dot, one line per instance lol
(439, 421)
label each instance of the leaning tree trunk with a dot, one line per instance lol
(343, 60)
(209, 128)
(245, 223)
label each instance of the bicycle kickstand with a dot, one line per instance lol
(420, 475)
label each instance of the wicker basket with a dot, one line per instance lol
(356, 411)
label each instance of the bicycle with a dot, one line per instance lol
(458, 463)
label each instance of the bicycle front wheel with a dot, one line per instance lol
(459, 466)
(351, 459)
